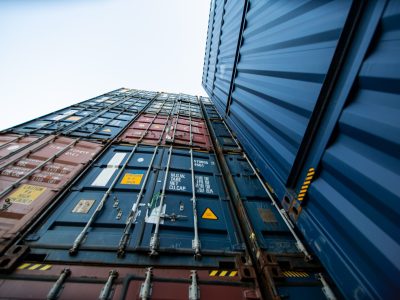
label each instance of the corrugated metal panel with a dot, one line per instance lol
(214, 46)
(141, 205)
(36, 280)
(227, 50)
(103, 127)
(208, 41)
(277, 252)
(352, 214)
(103, 118)
(223, 137)
(120, 175)
(31, 178)
(159, 129)
(173, 106)
(205, 100)
(211, 112)
(349, 215)
(219, 130)
(270, 230)
(11, 143)
(286, 52)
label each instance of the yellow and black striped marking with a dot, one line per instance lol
(295, 274)
(306, 184)
(32, 267)
(223, 273)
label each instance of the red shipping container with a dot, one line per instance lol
(11, 143)
(45, 281)
(177, 130)
(32, 177)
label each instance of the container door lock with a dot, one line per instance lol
(173, 217)
(147, 286)
(105, 291)
(56, 288)
(194, 290)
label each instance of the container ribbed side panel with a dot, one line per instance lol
(286, 53)
(219, 10)
(208, 41)
(351, 217)
(227, 50)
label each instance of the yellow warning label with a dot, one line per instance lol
(26, 194)
(209, 215)
(74, 118)
(106, 130)
(223, 273)
(132, 178)
(34, 267)
(295, 274)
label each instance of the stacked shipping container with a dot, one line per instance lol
(117, 197)
(164, 206)
(137, 194)
(311, 90)
(284, 265)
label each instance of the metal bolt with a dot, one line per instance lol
(116, 202)
(119, 214)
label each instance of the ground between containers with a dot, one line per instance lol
(141, 199)
(32, 175)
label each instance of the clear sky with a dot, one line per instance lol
(54, 53)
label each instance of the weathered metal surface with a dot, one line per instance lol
(101, 118)
(12, 143)
(314, 102)
(30, 179)
(129, 192)
(35, 281)
(160, 129)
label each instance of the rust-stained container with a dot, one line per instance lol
(32, 177)
(43, 281)
(186, 131)
(185, 107)
(160, 130)
(11, 143)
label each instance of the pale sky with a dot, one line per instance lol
(54, 53)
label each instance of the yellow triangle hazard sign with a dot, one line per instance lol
(209, 215)
(106, 130)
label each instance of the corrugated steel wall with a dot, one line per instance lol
(317, 86)
(150, 192)
(284, 58)
(208, 42)
(351, 218)
(214, 43)
(227, 50)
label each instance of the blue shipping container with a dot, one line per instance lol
(314, 101)
(126, 207)
(103, 118)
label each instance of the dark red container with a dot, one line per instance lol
(160, 129)
(41, 281)
(11, 143)
(32, 177)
